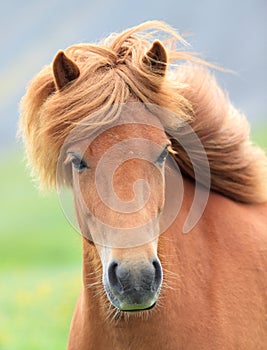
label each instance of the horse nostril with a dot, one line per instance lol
(114, 278)
(112, 274)
(158, 274)
(123, 279)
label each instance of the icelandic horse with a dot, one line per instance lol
(206, 289)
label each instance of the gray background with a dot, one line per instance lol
(229, 33)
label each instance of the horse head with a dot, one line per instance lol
(117, 176)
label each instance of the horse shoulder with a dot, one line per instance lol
(222, 269)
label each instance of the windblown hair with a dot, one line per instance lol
(115, 71)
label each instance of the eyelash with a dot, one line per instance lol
(163, 156)
(78, 164)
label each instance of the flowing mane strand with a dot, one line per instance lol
(113, 72)
(238, 168)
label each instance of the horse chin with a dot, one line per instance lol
(133, 307)
(139, 309)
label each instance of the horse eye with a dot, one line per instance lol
(162, 157)
(78, 164)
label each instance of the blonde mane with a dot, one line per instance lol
(113, 72)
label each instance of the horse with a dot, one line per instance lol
(149, 111)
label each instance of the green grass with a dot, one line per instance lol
(40, 258)
(259, 135)
(40, 261)
(37, 306)
(33, 227)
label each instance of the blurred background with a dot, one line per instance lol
(39, 252)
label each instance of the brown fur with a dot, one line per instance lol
(114, 71)
(214, 288)
(214, 294)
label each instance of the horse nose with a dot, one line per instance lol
(135, 282)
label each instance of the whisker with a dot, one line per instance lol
(90, 285)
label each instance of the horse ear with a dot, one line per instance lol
(64, 69)
(156, 58)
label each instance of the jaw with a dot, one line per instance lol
(139, 310)
(126, 307)
(139, 303)
(129, 310)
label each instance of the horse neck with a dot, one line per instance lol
(211, 248)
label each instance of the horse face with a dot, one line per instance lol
(118, 183)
